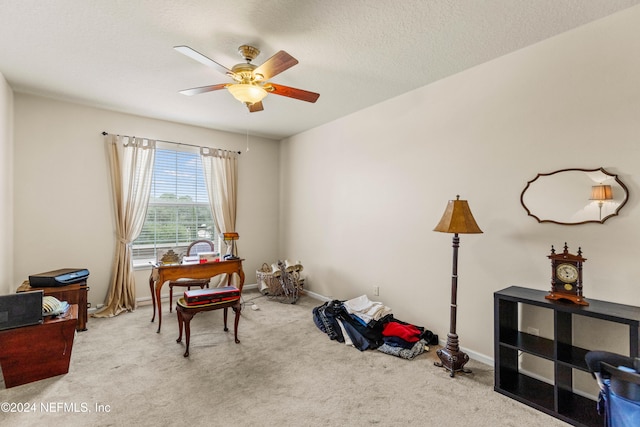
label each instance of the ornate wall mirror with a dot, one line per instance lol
(574, 196)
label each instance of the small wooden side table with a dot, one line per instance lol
(185, 314)
(73, 294)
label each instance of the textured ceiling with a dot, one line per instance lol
(118, 54)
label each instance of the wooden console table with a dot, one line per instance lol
(165, 273)
(73, 294)
(33, 353)
(557, 398)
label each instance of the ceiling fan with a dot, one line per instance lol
(250, 82)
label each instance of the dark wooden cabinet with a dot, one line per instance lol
(33, 353)
(73, 294)
(558, 398)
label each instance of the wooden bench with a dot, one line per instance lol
(185, 314)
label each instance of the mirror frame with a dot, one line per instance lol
(620, 183)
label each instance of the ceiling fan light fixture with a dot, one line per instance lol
(250, 82)
(247, 93)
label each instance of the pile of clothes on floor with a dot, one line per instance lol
(370, 325)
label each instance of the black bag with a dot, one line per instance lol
(325, 318)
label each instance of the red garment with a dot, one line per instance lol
(409, 333)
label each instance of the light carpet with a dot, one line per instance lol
(285, 372)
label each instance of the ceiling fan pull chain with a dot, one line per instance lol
(247, 150)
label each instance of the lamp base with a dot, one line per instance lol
(451, 358)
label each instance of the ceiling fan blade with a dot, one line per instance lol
(255, 107)
(203, 89)
(197, 56)
(291, 92)
(278, 63)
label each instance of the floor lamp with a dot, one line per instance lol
(457, 219)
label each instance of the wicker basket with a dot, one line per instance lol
(268, 283)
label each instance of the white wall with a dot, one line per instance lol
(63, 207)
(6, 186)
(361, 195)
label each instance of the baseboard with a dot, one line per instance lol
(317, 296)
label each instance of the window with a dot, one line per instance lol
(178, 211)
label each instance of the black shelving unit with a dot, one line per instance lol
(556, 399)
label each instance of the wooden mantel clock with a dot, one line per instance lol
(566, 276)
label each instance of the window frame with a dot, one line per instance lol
(141, 256)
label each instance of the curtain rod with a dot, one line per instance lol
(176, 143)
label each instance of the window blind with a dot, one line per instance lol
(178, 211)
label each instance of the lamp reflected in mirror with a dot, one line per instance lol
(601, 193)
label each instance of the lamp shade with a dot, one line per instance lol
(247, 93)
(457, 218)
(601, 192)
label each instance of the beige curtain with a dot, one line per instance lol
(221, 176)
(131, 163)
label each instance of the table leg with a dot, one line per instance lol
(158, 288)
(180, 323)
(187, 329)
(225, 320)
(235, 323)
(153, 296)
(241, 274)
